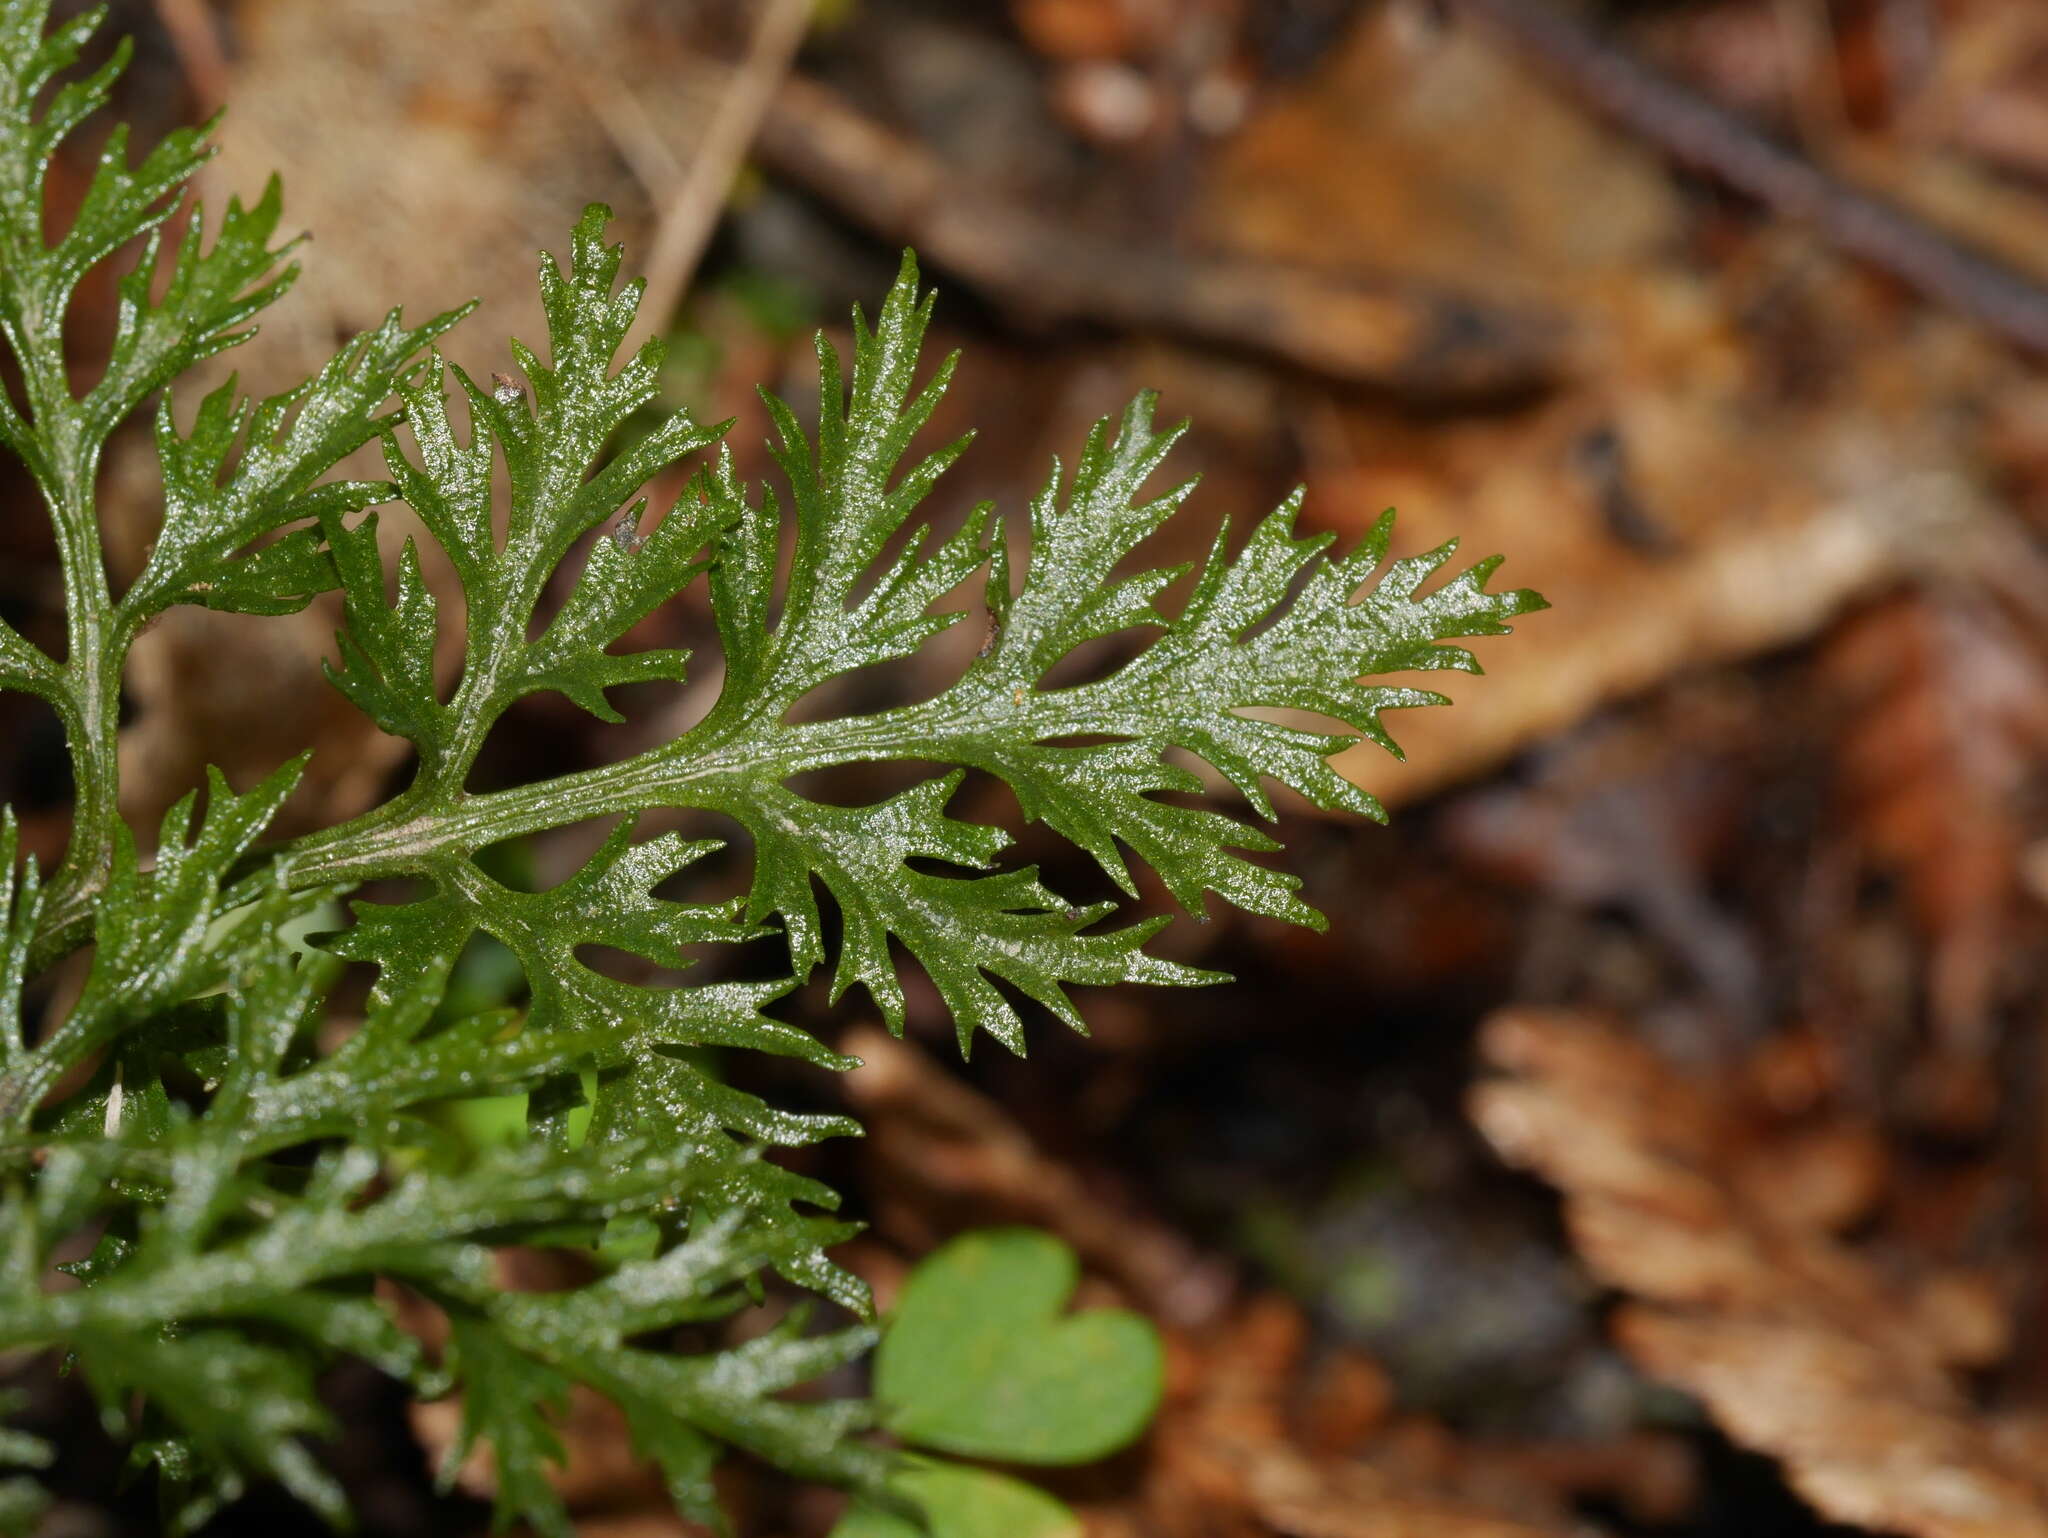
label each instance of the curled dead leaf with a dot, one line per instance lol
(1796, 1344)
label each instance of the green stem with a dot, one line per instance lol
(402, 838)
(678, 774)
(87, 692)
(91, 700)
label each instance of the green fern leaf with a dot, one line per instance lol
(260, 1166)
(1280, 627)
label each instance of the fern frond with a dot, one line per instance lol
(1282, 626)
(264, 1155)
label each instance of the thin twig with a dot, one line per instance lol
(619, 111)
(195, 39)
(691, 210)
(1417, 340)
(1713, 139)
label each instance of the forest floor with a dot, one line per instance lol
(1654, 1142)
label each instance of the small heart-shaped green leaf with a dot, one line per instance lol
(979, 1361)
(961, 1503)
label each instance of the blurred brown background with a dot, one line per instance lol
(1654, 1143)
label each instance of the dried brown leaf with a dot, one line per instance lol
(1226, 1460)
(1797, 1345)
(433, 148)
(1948, 711)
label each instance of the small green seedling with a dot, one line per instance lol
(981, 1360)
